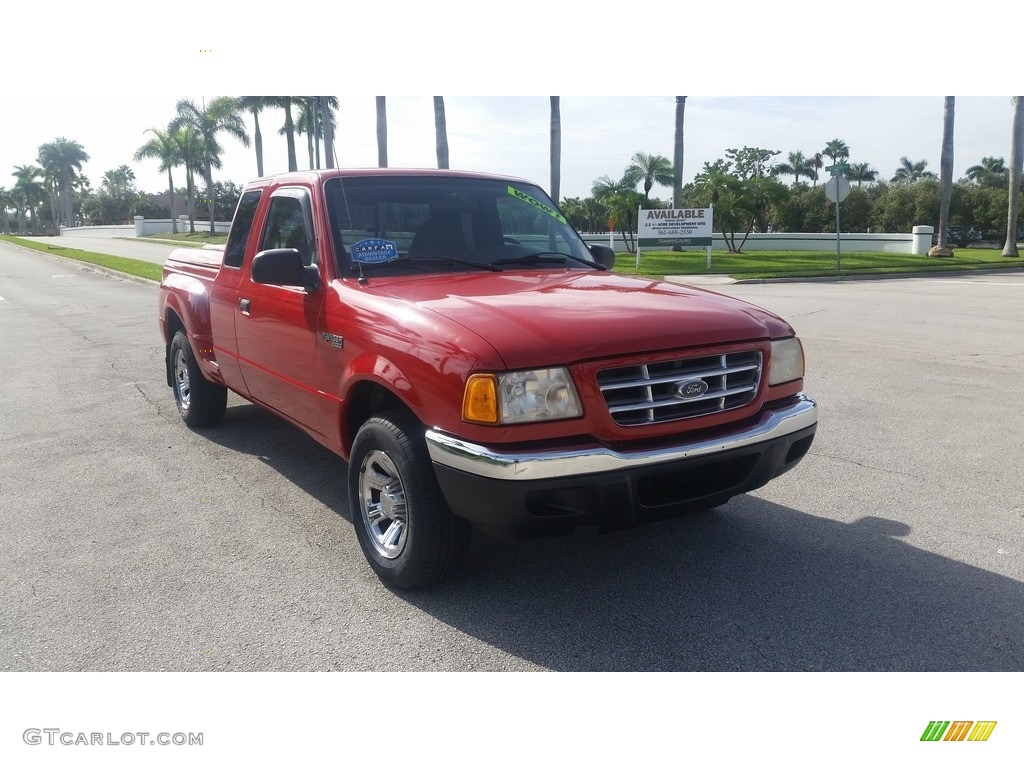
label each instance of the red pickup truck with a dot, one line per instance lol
(452, 337)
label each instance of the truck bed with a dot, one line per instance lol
(200, 262)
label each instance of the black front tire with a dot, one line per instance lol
(200, 402)
(406, 530)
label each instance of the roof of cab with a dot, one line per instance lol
(311, 177)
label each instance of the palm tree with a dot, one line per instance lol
(305, 125)
(254, 105)
(797, 166)
(946, 175)
(19, 200)
(440, 132)
(50, 185)
(861, 172)
(1016, 161)
(316, 119)
(677, 155)
(190, 144)
(837, 150)
(909, 172)
(164, 146)
(5, 221)
(651, 170)
(289, 132)
(119, 185)
(382, 133)
(816, 163)
(220, 116)
(992, 172)
(556, 147)
(329, 123)
(64, 157)
(29, 186)
(81, 188)
(621, 200)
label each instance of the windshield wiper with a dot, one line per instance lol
(548, 257)
(426, 258)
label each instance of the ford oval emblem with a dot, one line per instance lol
(690, 388)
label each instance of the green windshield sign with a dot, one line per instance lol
(537, 204)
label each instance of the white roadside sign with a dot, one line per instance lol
(663, 227)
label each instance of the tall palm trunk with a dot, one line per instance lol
(258, 140)
(316, 128)
(677, 160)
(556, 147)
(328, 139)
(1016, 161)
(190, 191)
(289, 134)
(170, 191)
(210, 194)
(65, 193)
(382, 133)
(946, 174)
(440, 132)
(54, 207)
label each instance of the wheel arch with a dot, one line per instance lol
(365, 399)
(172, 323)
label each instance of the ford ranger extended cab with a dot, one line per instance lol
(454, 340)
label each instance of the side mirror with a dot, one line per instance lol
(604, 255)
(283, 266)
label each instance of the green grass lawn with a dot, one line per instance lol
(145, 269)
(199, 239)
(758, 265)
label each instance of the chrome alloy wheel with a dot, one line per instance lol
(181, 381)
(382, 504)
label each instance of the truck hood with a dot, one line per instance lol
(538, 318)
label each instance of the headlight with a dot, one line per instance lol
(520, 397)
(787, 361)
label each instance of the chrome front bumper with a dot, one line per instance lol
(451, 452)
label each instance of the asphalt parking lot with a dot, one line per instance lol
(128, 542)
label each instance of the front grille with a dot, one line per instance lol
(652, 393)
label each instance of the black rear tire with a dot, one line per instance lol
(200, 402)
(406, 530)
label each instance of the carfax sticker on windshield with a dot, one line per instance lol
(373, 251)
(537, 204)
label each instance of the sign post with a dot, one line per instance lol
(837, 189)
(665, 227)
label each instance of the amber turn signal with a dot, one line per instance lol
(480, 403)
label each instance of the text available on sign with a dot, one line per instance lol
(674, 226)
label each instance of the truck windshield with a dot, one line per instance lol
(416, 224)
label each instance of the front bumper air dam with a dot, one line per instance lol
(554, 492)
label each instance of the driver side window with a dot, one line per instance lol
(286, 228)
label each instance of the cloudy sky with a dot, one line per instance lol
(130, 67)
(509, 134)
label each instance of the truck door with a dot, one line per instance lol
(224, 291)
(276, 325)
